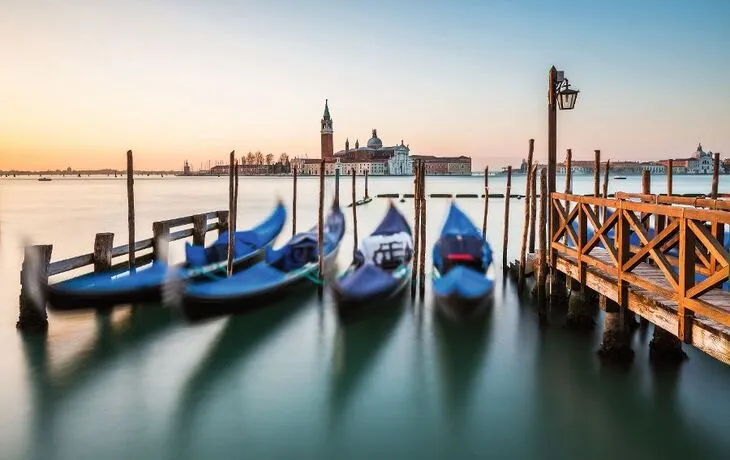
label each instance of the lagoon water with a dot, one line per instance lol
(292, 381)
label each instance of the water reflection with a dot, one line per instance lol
(241, 336)
(52, 383)
(461, 348)
(358, 341)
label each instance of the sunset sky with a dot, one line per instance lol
(83, 81)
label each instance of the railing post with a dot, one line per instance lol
(160, 241)
(33, 278)
(687, 245)
(579, 316)
(200, 225)
(222, 221)
(103, 244)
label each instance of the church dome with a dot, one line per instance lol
(375, 142)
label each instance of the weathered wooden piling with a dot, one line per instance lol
(486, 201)
(542, 250)
(422, 248)
(103, 245)
(645, 189)
(616, 345)
(354, 212)
(670, 173)
(526, 220)
(596, 176)
(367, 195)
(715, 175)
(416, 226)
(231, 212)
(33, 279)
(505, 236)
(568, 182)
(320, 231)
(130, 207)
(160, 240)
(533, 208)
(222, 217)
(605, 185)
(294, 202)
(200, 227)
(337, 187)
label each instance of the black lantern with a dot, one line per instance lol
(566, 98)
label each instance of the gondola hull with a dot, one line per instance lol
(347, 304)
(63, 299)
(199, 307)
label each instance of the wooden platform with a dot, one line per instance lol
(707, 335)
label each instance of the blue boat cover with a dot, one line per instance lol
(462, 282)
(392, 223)
(367, 281)
(244, 242)
(461, 237)
(274, 270)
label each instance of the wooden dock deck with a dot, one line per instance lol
(645, 257)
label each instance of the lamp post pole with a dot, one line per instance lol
(552, 158)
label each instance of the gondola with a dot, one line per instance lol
(461, 258)
(381, 266)
(276, 277)
(145, 284)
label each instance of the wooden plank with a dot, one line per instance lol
(72, 263)
(659, 258)
(710, 242)
(138, 246)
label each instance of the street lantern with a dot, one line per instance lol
(566, 98)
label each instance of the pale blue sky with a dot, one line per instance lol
(191, 80)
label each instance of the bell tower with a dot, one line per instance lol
(326, 133)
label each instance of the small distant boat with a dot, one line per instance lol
(45, 179)
(381, 266)
(620, 178)
(365, 200)
(461, 258)
(145, 284)
(279, 275)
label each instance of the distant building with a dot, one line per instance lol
(374, 157)
(700, 162)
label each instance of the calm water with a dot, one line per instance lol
(291, 381)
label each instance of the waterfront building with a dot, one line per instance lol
(700, 162)
(374, 157)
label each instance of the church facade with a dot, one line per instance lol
(374, 158)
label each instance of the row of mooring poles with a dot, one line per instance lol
(418, 271)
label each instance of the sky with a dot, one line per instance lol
(84, 81)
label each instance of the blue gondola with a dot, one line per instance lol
(461, 258)
(381, 266)
(292, 266)
(100, 290)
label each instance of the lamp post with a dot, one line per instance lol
(559, 95)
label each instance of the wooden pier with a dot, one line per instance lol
(678, 237)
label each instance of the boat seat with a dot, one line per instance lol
(458, 250)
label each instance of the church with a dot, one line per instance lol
(374, 158)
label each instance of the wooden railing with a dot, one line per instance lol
(162, 234)
(697, 235)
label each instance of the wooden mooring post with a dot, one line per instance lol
(416, 227)
(33, 278)
(533, 209)
(294, 202)
(354, 213)
(486, 201)
(231, 212)
(320, 231)
(526, 220)
(542, 250)
(505, 236)
(367, 195)
(103, 245)
(422, 248)
(130, 207)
